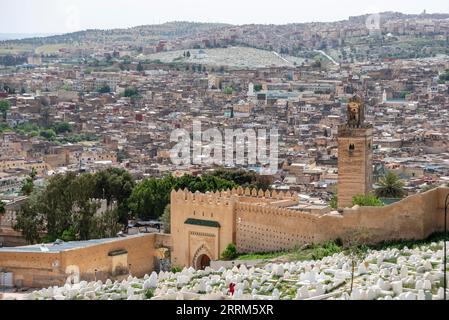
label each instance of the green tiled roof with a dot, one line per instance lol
(203, 223)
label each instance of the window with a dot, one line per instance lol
(351, 147)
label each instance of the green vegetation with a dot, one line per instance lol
(4, 127)
(411, 244)
(104, 89)
(176, 269)
(352, 247)
(4, 107)
(230, 253)
(65, 202)
(2, 208)
(390, 186)
(429, 187)
(369, 200)
(64, 207)
(131, 92)
(308, 252)
(258, 87)
(149, 293)
(28, 185)
(165, 218)
(228, 90)
(334, 202)
(243, 178)
(150, 197)
(444, 77)
(140, 67)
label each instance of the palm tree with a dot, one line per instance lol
(390, 186)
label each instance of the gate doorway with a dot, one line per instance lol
(203, 262)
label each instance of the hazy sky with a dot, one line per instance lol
(59, 16)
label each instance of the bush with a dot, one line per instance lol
(149, 293)
(328, 249)
(230, 253)
(69, 235)
(176, 269)
(367, 201)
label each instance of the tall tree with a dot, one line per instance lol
(2, 208)
(4, 107)
(390, 186)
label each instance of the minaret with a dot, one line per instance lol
(355, 155)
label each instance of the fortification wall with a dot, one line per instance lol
(215, 215)
(264, 229)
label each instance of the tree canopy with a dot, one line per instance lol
(66, 206)
(4, 107)
(390, 186)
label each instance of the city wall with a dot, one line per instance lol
(255, 223)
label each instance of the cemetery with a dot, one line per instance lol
(391, 274)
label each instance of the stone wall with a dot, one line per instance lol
(248, 219)
(43, 269)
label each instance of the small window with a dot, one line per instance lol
(351, 147)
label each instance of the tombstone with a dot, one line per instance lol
(404, 272)
(362, 269)
(356, 294)
(397, 287)
(276, 294)
(427, 285)
(421, 295)
(302, 293)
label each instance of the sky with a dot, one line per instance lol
(62, 16)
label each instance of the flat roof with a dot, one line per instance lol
(66, 246)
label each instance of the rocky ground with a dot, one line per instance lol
(391, 274)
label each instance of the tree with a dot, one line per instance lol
(65, 207)
(188, 54)
(62, 127)
(243, 178)
(28, 185)
(258, 87)
(150, 197)
(4, 108)
(165, 218)
(2, 208)
(230, 253)
(30, 221)
(334, 202)
(104, 89)
(115, 184)
(140, 67)
(369, 200)
(356, 251)
(48, 134)
(131, 92)
(390, 186)
(228, 90)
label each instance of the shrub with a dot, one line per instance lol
(230, 252)
(149, 293)
(176, 269)
(367, 201)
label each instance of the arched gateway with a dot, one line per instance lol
(202, 262)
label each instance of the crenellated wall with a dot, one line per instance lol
(253, 221)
